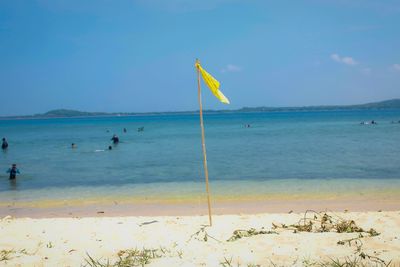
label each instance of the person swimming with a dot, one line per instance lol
(140, 129)
(115, 139)
(125, 130)
(4, 145)
(73, 145)
(13, 172)
(109, 147)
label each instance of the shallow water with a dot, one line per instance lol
(282, 153)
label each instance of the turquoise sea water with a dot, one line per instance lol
(286, 150)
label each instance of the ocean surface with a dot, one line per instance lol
(280, 154)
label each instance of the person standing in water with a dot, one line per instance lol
(115, 139)
(4, 145)
(13, 172)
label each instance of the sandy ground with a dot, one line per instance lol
(164, 208)
(180, 240)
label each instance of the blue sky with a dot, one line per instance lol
(138, 55)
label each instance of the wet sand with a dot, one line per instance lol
(199, 207)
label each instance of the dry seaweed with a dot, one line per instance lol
(353, 241)
(376, 260)
(318, 222)
(135, 257)
(362, 255)
(238, 234)
(202, 235)
(6, 255)
(126, 258)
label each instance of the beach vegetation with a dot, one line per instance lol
(355, 261)
(202, 235)
(319, 222)
(352, 261)
(91, 262)
(356, 241)
(6, 255)
(127, 258)
(226, 262)
(135, 257)
(180, 254)
(360, 255)
(9, 254)
(347, 262)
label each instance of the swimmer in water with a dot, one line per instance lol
(115, 139)
(13, 172)
(4, 145)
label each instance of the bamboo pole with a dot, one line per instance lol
(204, 147)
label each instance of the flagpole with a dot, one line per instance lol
(204, 147)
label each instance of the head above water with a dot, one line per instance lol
(4, 139)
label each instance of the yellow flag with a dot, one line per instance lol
(212, 83)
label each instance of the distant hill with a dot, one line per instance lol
(387, 104)
(70, 113)
(67, 113)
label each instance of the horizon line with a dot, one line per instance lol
(104, 113)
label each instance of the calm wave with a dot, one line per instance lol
(281, 145)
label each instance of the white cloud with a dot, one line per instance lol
(231, 68)
(345, 60)
(349, 61)
(335, 57)
(396, 67)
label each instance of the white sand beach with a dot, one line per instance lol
(185, 241)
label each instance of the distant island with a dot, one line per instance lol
(386, 104)
(67, 113)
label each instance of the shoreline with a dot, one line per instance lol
(189, 198)
(199, 208)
